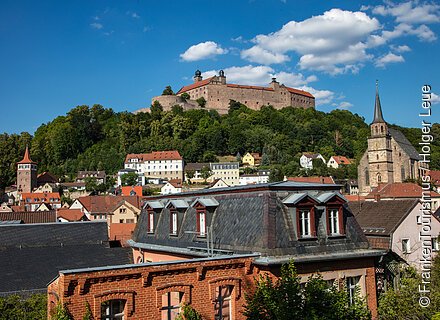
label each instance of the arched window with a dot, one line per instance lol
(381, 129)
(367, 177)
(402, 173)
(223, 303)
(377, 157)
(113, 309)
(379, 178)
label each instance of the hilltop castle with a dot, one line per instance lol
(217, 94)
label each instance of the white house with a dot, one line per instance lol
(306, 160)
(262, 176)
(171, 187)
(337, 161)
(227, 171)
(157, 164)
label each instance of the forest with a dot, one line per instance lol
(97, 138)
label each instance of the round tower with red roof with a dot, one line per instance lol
(26, 174)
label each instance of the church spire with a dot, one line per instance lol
(26, 158)
(378, 117)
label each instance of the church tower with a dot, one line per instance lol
(380, 158)
(26, 174)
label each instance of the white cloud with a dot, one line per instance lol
(344, 105)
(388, 58)
(403, 48)
(260, 55)
(96, 25)
(322, 97)
(331, 42)
(411, 12)
(435, 99)
(202, 50)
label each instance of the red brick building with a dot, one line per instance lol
(223, 238)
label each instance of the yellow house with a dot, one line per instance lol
(251, 159)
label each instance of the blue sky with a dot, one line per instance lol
(56, 55)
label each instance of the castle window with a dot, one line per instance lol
(367, 177)
(379, 178)
(377, 157)
(381, 129)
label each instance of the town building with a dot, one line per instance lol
(131, 191)
(337, 161)
(46, 177)
(29, 216)
(261, 176)
(311, 179)
(193, 172)
(33, 200)
(251, 159)
(26, 174)
(32, 254)
(157, 164)
(396, 225)
(70, 215)
(99, 176)
(171, 187)
(217, 183)
(206, 247)
(217, 93)
(390, 157)
(306, 160)
(227, 171)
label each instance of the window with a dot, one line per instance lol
(112, 310)
(352, 287)
(223, 303)
(419, 219)
(367, 177)
(201, 223)
(150, 221)
(406, 247)
(173, 222)
(171, 305)
(304, 223)
(434, 244)
(122, 210)
(333, 221)
(121, 220)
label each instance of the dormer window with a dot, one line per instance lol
(333, 222)
(201, 222)
(173, 222)
(150, 221)
(304, 223)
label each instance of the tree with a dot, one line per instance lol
(61, 313)
(185, 96)
(209, 156)
(129, 179)
(188, 313)
(15, 307)
(205, 173)
(190, 175)
(168, 91)
(201, 102)
(283, 299)
(156, 110)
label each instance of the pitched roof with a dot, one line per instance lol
(31, 255)
(313, 179)
(195, 85)
(26, 159)
(40, 197)
(403, 142)
(70, 214)
(154, 156)
(196, 166)
(256, 155)
(341, 160)
(435, 177)
(46, 176)
(381, 218)
(129, 190)
(106, 204)
(30, 217)
(398, 190)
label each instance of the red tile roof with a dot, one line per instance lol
(435, 177)
(106, 204)
(241, 86)
(354, 197)
(40, 197)
(195, 85)
(398, 190)
(26, 158)
(341, 160)
(315, 179)
(126, 190)
(176, 183)
(71, 214)
(155, 155)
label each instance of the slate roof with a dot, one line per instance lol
(403, 142)
(381, 218)
(32, 255)
(30, 216)
(196, 166)
(249, 219)
(105, 204)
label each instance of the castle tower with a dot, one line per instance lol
(380, 159)
(26, 174)
(198, 76)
